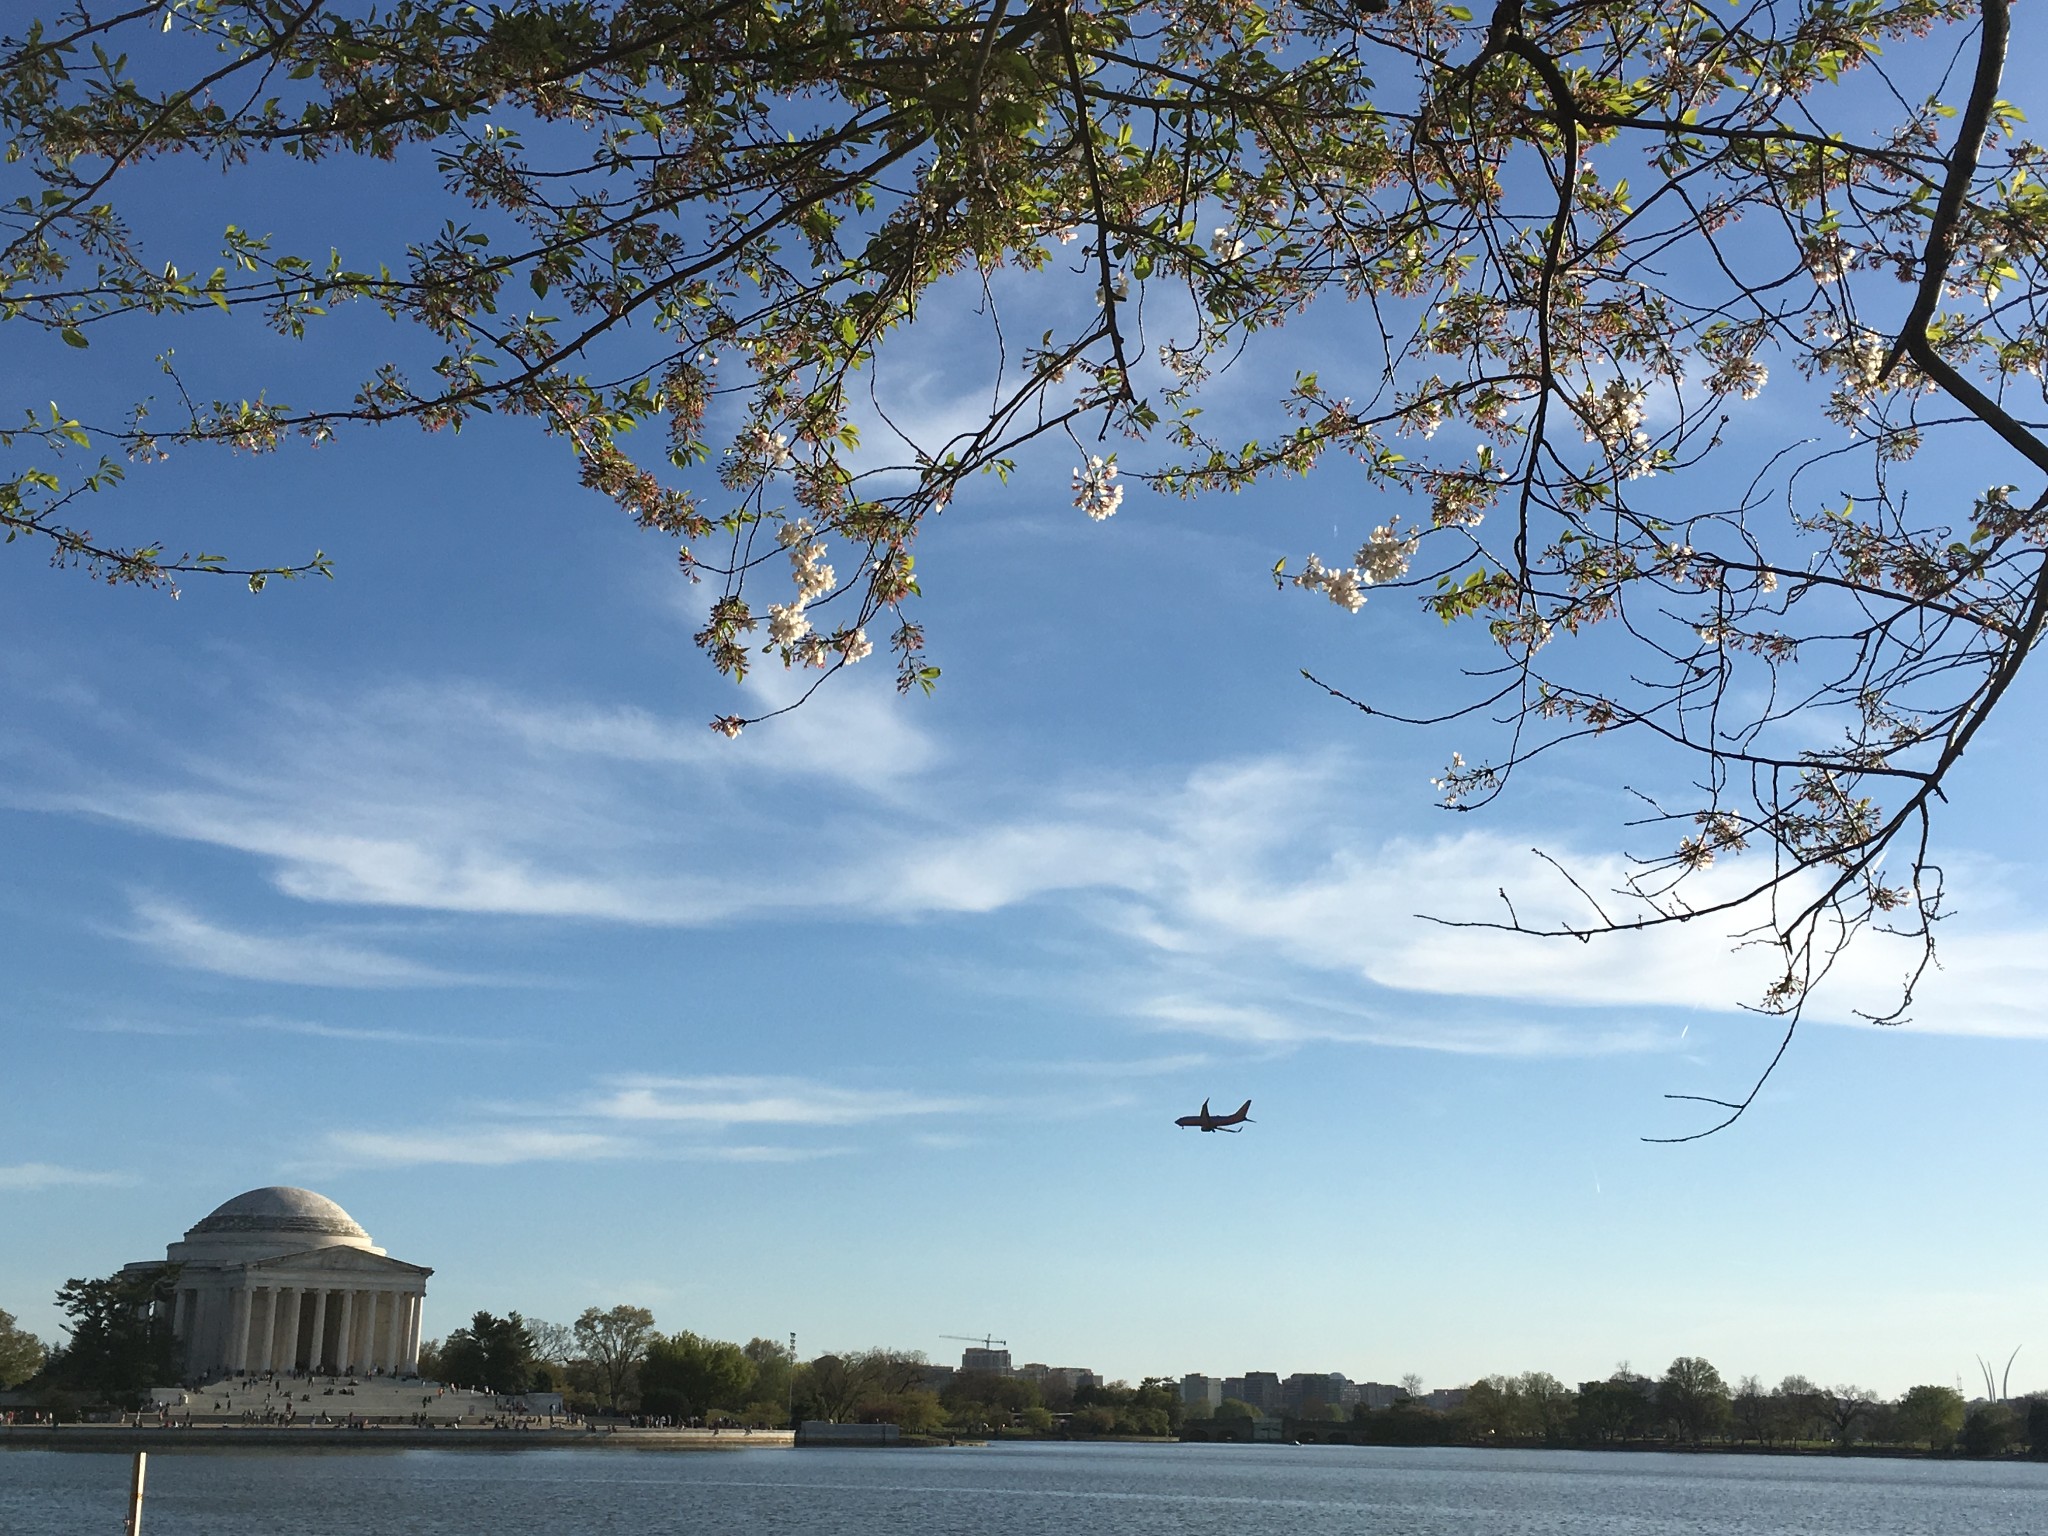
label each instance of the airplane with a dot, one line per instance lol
(1208, 1122)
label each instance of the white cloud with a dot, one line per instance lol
(316, 1031)
(1310, 1020)
(27, 1176)
(483, 1146)
(645, 1116)
(182, 937)
(726, 1101)
(1265, 901)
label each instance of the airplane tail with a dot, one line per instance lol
(1244, 1111)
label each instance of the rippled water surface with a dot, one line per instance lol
(1024, 1490)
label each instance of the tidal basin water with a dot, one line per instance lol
(1023, 1490)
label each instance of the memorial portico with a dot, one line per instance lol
(283, 1279)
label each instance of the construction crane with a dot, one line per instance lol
(985, 1340)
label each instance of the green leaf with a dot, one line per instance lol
(74, 337)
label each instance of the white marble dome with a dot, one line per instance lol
(274, 1220)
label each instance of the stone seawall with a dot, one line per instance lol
(118, 1437)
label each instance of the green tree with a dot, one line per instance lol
(673, 235)
(1235, 1408)
(1493, 1408)
(1623, 1407)
(21, 1353)
(553, 1344)
(1987, 1430)
(1407, 1422)
(1844, 1408)
(833, 1387)
(1751, 1410)
(494, 1353)
(2037, 1426)
(611, 1342)
(1547, 1405)
(1930, 1416)
(773, 1373)
(1693, 1398)
(987, 1399)
(120, 1342)
(685, 1375)
(1798, 1409)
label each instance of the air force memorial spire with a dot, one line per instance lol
(283, 1279)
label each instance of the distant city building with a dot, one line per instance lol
(935, 1378)
(977, 1358)
(1262, 1391)
(1378, 1394)
(1445, 1399)
(1305, 1387)
(1233, 1387)
(1198, 1389)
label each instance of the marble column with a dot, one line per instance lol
(371, 1319)
(266, 1347)
(394, 1335)
(366, 1331)
(412, 1335)
(266, 1352)
(344, 1334)
(241, 1311)
(316, 1351)
(292, 1312)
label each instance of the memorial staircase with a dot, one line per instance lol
(313, 1400)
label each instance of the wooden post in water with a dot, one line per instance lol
(135, 1495)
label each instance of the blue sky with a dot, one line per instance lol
(429, 889)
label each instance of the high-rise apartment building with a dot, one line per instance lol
(1196, 1389)
(1308, 1387)
(1262, 1391)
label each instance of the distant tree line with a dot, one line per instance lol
(616, 1361)
(1692, 1405)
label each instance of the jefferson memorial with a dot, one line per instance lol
(283, 1279)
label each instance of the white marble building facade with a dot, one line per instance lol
(284, 1279)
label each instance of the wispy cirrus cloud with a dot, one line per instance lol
(312, 1029)
(35, 1176)
(177, 934)
(479, 1146)
(1259, 901)
(727, 1101)
(644, 1116)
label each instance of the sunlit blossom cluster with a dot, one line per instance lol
(1095, 489)
(1344, 585)
(1827, 257)
(1459, 501)
(765, 447)
(1743, 376)
(1613, 418)
(1382, 558)
(814, 578)
(1385, 555)
(789, 624)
